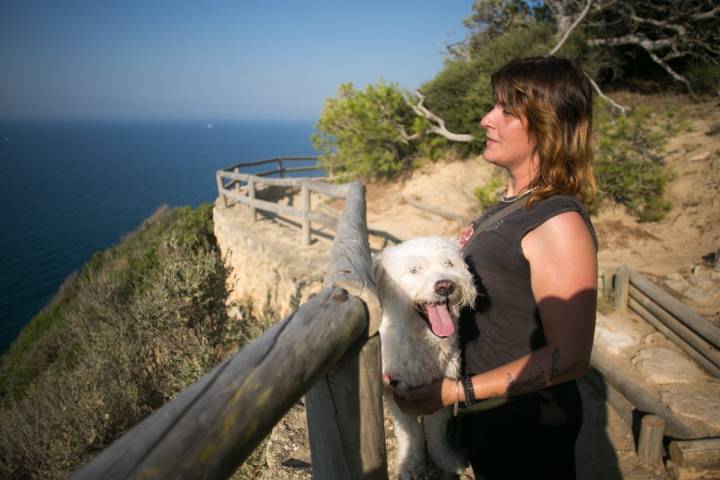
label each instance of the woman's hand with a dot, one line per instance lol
(429, 398)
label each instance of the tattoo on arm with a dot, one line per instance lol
(554, 366)
(532, 381)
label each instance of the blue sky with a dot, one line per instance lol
(212, 59)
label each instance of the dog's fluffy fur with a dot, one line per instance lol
(409, 277)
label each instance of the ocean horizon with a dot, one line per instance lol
(74, 187)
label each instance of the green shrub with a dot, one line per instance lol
(704, 77)
(628, 166)
(489, 194)
(143, 320)
(360, 133)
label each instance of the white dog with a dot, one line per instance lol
(422, 284)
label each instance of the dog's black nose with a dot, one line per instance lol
(444, 287)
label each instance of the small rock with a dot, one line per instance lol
(613, 342)
(661, 365)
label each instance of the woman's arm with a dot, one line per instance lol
(563, 271)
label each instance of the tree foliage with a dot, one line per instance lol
(379, 132)
(366, 133)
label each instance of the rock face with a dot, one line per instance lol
(268, 263)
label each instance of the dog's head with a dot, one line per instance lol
(427, 276)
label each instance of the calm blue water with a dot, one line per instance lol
(70, 189)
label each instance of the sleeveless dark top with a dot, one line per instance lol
(505, 325)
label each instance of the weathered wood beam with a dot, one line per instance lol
(270, 160)
(350, 264)
(696, 347)
(211, 427)
(650, 442)
(702, 327)
(702, 453)
(344, 409)
(639, 396)
(314, 184)
(621, 281)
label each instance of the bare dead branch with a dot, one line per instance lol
(437, 124)
(572, 27)
(707, 15)
(605, 97)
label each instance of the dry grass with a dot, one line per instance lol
(142, 321)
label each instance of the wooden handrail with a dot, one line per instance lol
(271, 160)
(213, 425)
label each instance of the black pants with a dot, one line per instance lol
(530, 438)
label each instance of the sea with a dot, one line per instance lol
(71, 188)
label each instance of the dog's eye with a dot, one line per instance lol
(448, 263)
(415, 269)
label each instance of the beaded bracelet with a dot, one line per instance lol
(469, 391)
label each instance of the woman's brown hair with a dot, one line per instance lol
(555, 97)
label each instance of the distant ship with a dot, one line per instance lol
(209, 125)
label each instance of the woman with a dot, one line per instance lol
(530, 334)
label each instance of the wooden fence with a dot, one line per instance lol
(696, 336)
(328, 349)
(241, 187)
(233, 184)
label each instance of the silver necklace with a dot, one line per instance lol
(514, 198)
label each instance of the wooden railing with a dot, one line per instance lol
(328, 349)
(696, 336)
(235, 185)
(630, 291)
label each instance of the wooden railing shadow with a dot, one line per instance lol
(327, 349)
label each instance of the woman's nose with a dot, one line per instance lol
(486, 120)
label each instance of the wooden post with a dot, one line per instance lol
(607, 285)
(344, 409)
(280, 168)
(717, 259)
(251, 195)
(221, 190)
(703, 453)
(650, 444)
(237, 182)
(621, 284)
(305, 207)
(345, 418)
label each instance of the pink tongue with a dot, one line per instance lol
(440, 321)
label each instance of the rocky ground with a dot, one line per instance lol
(677, 253)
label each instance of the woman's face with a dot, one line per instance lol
(508, 144)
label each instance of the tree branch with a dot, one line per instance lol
(605, 97)
(572, 27)
(437, 124)
(707, 15)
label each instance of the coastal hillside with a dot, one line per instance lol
(140, 322)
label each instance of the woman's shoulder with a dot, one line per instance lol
(547, 208)
(561, 201)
